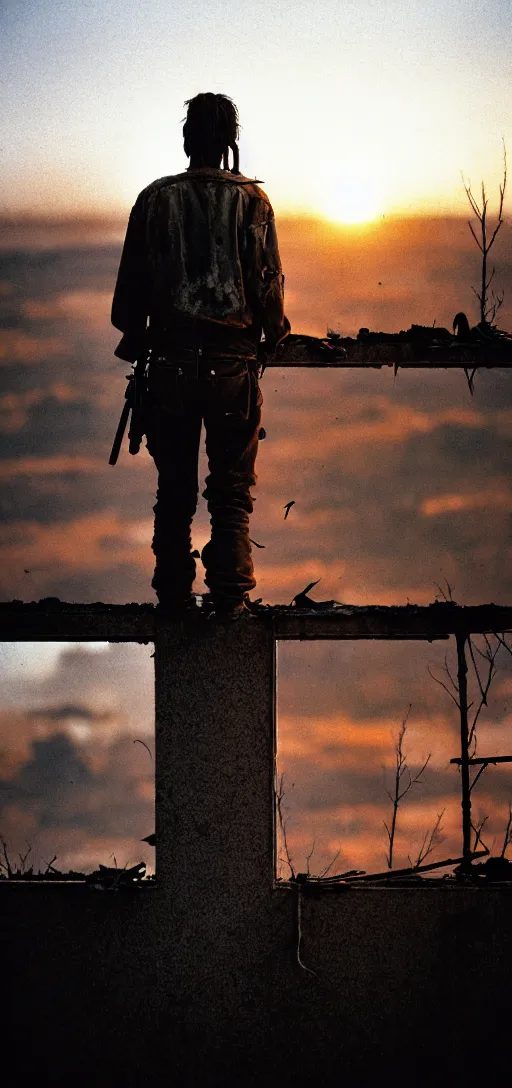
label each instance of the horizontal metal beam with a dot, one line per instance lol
(51, 620)
(435, 621)
(417, 364)
(418, 352)
(484, 760)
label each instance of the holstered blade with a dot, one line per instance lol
(116, 446)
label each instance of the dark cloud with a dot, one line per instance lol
(326, 790)
(68, 710)
(72, 780)
(52, 775)
(43, 274)
(58, 788)
(367, 681)
(54, 427)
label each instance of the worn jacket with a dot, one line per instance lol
(201, 246)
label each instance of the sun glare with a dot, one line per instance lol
(354, 199)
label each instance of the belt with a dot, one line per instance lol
(194, 361)
(185, 342)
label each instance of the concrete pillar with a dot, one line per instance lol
(215, 835)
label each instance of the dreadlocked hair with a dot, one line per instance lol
(211, 128)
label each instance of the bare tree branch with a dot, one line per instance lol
(447, 594)
(23, 858)
(283, 822)
(401, 769)
(330, 865)
(478, 833)
(429, 844)
(502, 641)
(309, 856)
(440, 682)
(490, 657)
(484, 244)
(470, 378)
(477, 776)
(6, 863)
(507, 838)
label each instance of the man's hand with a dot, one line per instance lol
(267, 348)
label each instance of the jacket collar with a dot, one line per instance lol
(216, 174)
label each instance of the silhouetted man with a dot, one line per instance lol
(201, 262)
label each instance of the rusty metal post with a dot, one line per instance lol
(462, 670)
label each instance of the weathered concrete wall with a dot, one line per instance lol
(196, 981)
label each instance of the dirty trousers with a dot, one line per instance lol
(224, 393)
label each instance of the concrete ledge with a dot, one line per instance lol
(438, 620)
(51, 620)
(417, 348)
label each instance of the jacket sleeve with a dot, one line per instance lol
(130, 304)
(264, 280)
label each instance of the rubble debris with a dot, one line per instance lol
(493, 870)
(420, 344)
(301, 600)
(106, 879)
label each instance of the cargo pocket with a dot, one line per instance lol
(231, 396)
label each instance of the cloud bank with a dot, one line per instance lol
(399, 485)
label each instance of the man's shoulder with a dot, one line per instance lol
(254, 190)
(157, 185)
(248, 185)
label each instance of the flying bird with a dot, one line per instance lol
(288, 507)
(255, 542)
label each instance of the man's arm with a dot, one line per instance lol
(130, 305)
(264, 274)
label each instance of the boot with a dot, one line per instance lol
(230, 610)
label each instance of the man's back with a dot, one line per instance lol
(202, 245)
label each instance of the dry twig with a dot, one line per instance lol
(329, 866)
(478, 833)
(446, 594)
(309, 856)
(282, 824)
(489, 656)
(6, 863)
(487, 311)
(430, 842)
(507, 838)
(401, 769)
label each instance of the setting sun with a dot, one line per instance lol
(353, 199)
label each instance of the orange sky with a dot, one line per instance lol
(368, 109)
(398, 484)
